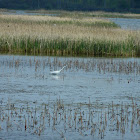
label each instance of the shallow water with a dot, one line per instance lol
(91, 98)
(127, 23)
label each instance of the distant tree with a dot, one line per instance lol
(111, 5)
(136, 4)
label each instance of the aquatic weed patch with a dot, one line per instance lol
(88, 119)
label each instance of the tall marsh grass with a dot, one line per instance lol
(66, 36)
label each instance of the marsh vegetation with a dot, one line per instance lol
(81, 120)
(62, 35)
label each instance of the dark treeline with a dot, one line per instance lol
(78, 5)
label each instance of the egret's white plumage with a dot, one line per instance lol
(56, 72)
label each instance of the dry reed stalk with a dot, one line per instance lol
(75, 119)
(25, 124)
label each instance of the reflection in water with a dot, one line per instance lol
(58, 77)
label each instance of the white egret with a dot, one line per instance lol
(56, 72)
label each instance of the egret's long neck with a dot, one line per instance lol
(62, 68)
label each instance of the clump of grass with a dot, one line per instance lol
(66, 36)
(114, 15)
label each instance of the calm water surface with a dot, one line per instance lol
(93, 98)
(126, 23)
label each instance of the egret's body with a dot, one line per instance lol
(56, 72)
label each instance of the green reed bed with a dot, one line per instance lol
(67, 46)
(66, 36)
